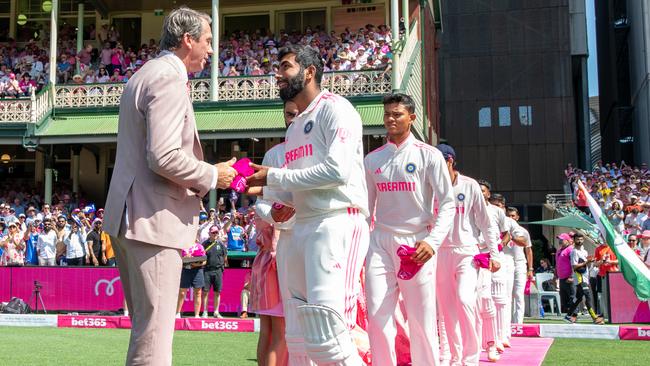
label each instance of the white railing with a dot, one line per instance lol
(41, 105)
(16, 110)
(559, 200)
(238, 88)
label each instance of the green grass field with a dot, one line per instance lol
(60, 346)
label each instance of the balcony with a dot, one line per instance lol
(240, 88)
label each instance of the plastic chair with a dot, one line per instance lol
(551, 296)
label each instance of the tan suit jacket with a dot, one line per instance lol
(159, 171)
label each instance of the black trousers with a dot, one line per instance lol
(583, 290)
(80, 261)
(567, 292)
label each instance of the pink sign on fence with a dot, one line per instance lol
(524, 330)
(94, 289)
(634, 333)
(624, 305)
(83, 321)
(220, 325)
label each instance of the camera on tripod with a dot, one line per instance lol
(37, 285)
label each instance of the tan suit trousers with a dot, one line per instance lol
(150, 277)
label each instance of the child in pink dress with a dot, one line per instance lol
(265, 291)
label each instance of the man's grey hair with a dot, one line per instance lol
(177, 23)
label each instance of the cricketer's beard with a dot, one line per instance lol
(294, 86)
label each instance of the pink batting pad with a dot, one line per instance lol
(242, 166)
(407, 268)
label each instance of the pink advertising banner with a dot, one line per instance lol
(625, 307)
(525, 330)
(95, 289)
(195, 324)
(634, 333)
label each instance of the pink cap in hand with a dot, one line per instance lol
(243, 167)
(407, 268)
(482, 260)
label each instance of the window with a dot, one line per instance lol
(504, 116)
(526, 115)
(299, 20)
(485, 117)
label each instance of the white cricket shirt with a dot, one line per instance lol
(402, 183)
(324, 158)
(274, 157)
(471, 219)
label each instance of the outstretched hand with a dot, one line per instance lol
(259, 177)
(226, 173)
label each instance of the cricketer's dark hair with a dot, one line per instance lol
(402, 99)
(483, 182)
(496, 197)
(305, 56)
(512, 209)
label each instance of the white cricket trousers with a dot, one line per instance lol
(502, 295)
(321, 259)
(456, 280)
(486, 321)
(382, 292)
(518, 301)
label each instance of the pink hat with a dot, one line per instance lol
(645, 234)
(564, 236)
(12, 75)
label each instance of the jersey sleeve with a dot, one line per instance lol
(438, 178)
(341, 130)
(273, 195)
(483, 222)
(574, 257)
(372, 191)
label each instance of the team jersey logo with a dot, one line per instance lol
(410, 168)
(378, 171)
(461, 197)
(308, 126)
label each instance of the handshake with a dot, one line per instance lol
(240, 174)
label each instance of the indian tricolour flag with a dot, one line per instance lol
(634, 270)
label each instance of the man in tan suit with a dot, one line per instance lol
(154, 197)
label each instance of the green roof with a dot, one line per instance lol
(243, 119)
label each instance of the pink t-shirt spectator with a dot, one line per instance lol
(563, 262)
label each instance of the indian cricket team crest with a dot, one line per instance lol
(410, 168)
(308, 126)
(461, 197)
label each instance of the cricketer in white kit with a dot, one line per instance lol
(520, 250)
(324, 174)
(404, 176)
(457, 273)
(281, 216)
(501, 280)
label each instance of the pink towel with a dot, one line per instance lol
(408, 268)
(482, 260)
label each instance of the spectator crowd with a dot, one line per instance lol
(69, 232)
(24, 68)
(621, 190)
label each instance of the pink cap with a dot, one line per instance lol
(645, 234)
(564, 236)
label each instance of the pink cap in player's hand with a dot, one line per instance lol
(407, 268)
(243, 168)
(482, 260)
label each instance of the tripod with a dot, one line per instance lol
(36, 295)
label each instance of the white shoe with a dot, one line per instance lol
(506, 344)
(499, 348)
(204, 315)
(126, 313)
(492, 354)
(178, 315)
(218, 316)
